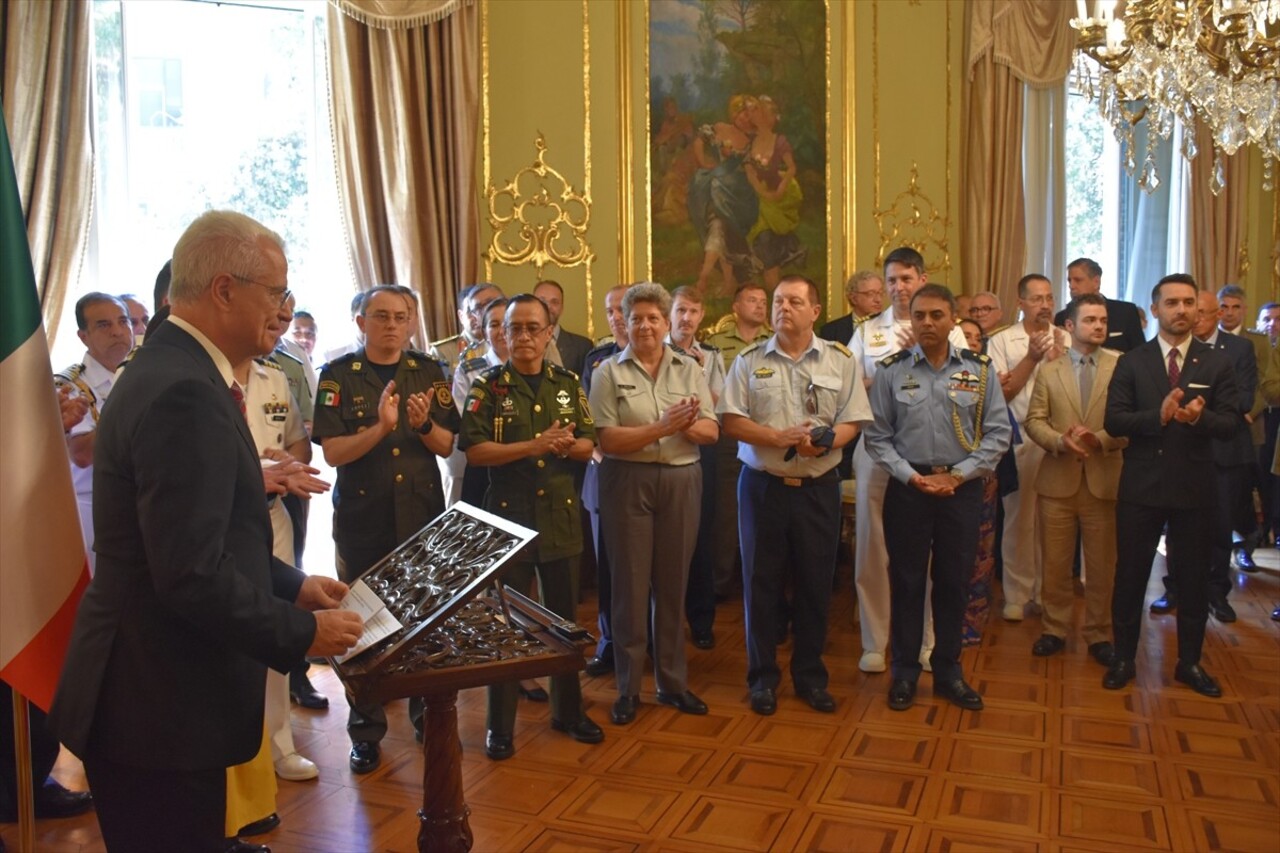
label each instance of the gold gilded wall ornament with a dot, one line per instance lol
(913, 220)
(538, 218)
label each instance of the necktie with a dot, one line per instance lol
(238, 396)
(1174, 373)
(1086, 381)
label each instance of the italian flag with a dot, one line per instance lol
(43, 569)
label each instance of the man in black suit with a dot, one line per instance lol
(1124, 325)
(1234, 461)
(1170, 397)
(573, 348)
(164, 678)
(864, 291)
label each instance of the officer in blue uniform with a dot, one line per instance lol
(940, 426)
(789, 402)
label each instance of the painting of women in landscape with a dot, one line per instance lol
(737, 95)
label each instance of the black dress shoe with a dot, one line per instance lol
(55, 801)
(819, 699)
(1120, 673)
(1194, 676)
(958, 693)
(305, 694)
(764, 702)
(684, 702)
(597, 666)
(533, 694)
(1048, 645)
(1164, 604)
(624, 710)
(366, 755)
(1242, 560)
(1102, 652)
(902, 694)
(499, 747)
(1220, 610)
(1275, 615)
(260, 827)
(583, 731)
(704, 639)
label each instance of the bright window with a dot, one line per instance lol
(200, 105)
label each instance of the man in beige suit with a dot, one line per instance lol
(1078, 479)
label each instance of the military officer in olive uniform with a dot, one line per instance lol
(383, 415)
(940, 427)
(529, 423)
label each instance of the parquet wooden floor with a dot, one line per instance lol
(1055, 763)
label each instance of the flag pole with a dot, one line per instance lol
(22, 770)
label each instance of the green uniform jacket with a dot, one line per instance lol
(536, 492)
(387, 495)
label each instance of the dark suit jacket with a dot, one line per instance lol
(1238, 450)
(839, 330)
(166, 663)
(573, 349)
(1124, 325)
(1172, 465)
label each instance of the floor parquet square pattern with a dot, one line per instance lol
(1054, 763)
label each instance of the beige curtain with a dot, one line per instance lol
(1008, 43)
(404, 85)
(1217, 221)
(45, 91)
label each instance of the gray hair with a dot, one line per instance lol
(218, 242)
(855, 281)
(646, 291)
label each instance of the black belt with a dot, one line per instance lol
(926, 470)
(800, 482)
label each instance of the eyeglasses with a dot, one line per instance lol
(386, 318)
(283, 292)
(515, 330)
(981, 309)
(877, 292)
(811, 399)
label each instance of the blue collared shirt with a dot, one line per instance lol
(917, 408)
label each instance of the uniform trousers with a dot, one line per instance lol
(787, 531)
(651, 523)
(604, 572)
(1095, 518)
(728, 468)
(1021, 546)
(1138, 530)
(558, 580)
(871, 559)
(700, 594)
(1267, 482)
(367, 721)
(925, 535)
(147, 809)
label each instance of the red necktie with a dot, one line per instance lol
(238, 396)
(1174, 373)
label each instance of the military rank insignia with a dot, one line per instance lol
(475, 399)
(582, 404)
(443, 396)
(964, 380)
(328, 393)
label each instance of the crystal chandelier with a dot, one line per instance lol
(1210, 61)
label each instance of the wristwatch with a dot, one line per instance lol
(426, 427)
(955, 472)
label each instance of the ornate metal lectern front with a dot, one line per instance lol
(458, 628)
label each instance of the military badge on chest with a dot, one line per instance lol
(565, 401)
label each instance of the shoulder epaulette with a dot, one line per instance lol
(750, 348)
(898, 356)
(70, 374)
(491, 373)
(268, 362)
(709, 347)
(343, 359)
(472, 364)
(858, 321)
(841, 348)
(722, 325)
(447, 340)
(981, 358)
(284, 353)
(563, 371)
(598, 349)
(604, 341)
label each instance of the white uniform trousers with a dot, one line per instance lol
(1021, 549)
(279, 728)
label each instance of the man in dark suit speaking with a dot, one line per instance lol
(1171, 397)
(165, 675)
(1124, 326)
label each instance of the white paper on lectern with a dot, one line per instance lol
(379, 622)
